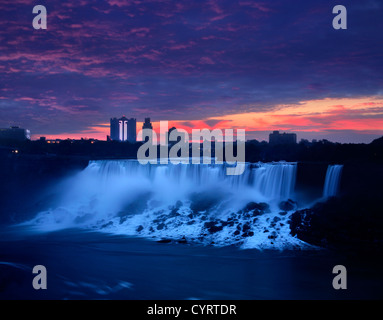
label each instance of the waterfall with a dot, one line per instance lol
(332, 181)
(275, 181)
(270, 180)
(197, 201)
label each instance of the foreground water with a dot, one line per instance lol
(93, 265)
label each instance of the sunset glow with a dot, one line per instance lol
(363, 114)
(254, 65)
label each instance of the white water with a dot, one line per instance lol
(177, 201)
(332, 180)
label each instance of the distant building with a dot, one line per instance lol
(114, 135)
(53, 141)
(180, 136)
(15, 133)
(147, 124)
(123, 129)
(132, 130)
(282, 138)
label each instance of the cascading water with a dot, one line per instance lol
(332, 180)
(275, 181)
(197, 202)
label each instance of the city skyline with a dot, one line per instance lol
(250, 65)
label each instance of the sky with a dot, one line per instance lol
(239, 64)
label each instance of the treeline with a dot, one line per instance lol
(322, 150)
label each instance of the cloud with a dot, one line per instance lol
(206, 60)
(189, 61)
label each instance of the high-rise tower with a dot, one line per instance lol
(123, 129)
(147, 124)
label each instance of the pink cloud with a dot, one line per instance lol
(214, 6)
(206, 60)
(219, 17)
(256, 5)
(181, 46)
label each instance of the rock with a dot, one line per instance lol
(246, 227)
(174, 210)
(164, 241)
(123, 219)
(288, 205)
(213, 227)
(273, 235)
(248, 234)
(227, 223)
(210, 224)
(258, 208)
(300, 223)
(182, 240)
(352, 223)
(276, 219)
(161, 226)
(236, 232)
(173, 213)
(139, 228)
(257, 212)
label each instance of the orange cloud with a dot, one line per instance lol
(360, 114)
(364, 113)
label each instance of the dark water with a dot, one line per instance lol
(91, 265)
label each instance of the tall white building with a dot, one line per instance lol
(123, 129)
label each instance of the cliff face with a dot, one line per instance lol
(353, 221)
(358, 178)
(347, 223)
(26, 181)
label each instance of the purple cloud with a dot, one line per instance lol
(180, 60)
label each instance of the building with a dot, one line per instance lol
(15, 133)
(147, 124)
(114, 135)
(123, 129)
(180, 136)
(131, 130)
(282, 138)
